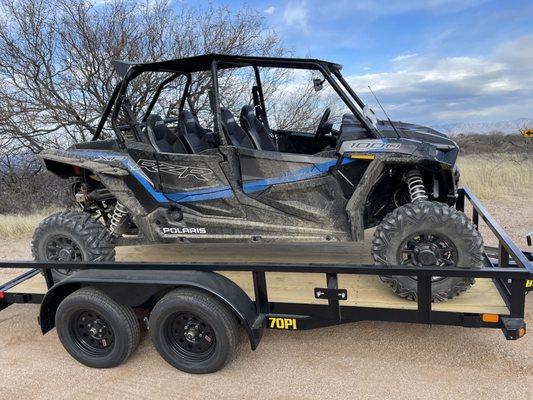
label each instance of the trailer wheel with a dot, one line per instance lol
(96, 330)
(428, 233)
(71, 236)
(193, 331)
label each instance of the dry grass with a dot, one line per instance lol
(498, 176)
(17, 226)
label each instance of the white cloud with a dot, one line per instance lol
(270, 10)
(402, 57)
(430, 89)
(296, 14)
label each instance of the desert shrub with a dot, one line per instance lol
(25, 188)
(495, 142)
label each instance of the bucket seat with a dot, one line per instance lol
(235, 134)
(195, 138)
(261, 136)
(161, 137)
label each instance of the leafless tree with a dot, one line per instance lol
(56, 73)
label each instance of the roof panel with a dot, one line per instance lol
(203, 63)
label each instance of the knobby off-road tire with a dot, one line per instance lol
(72, 236)
(215, 331)
(428, 227)
(115, 329)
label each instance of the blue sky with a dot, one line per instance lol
(432, 61)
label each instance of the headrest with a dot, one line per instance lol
(188, 119)
(227, 116)
(247, 110)
(158, 127)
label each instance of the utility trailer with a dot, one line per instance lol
(194, 309)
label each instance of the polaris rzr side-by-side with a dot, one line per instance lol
(171, 175)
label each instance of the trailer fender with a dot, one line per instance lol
(134, 288)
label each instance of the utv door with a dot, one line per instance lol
(296, 185)
(191, 181)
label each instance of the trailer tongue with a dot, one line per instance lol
(192, 308)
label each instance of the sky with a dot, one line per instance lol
(429, 61)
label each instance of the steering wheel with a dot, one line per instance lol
(323, 126)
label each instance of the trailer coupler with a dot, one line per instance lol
(513, 328)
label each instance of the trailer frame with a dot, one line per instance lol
(509, 267)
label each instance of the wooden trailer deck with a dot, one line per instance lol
(363, 290)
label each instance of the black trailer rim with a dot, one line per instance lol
(424, 249)
(190, 337)
(92, 334)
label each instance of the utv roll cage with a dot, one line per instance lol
(128, 71)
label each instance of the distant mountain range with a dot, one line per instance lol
(506, 127)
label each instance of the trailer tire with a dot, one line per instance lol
(96, 330)
(193, 331)
(421, 233)
(84, 238)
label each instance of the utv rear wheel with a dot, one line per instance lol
(427, 234)
(193, 331)
(96, 330)
(72, 236)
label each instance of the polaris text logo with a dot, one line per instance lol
(181, 231)
(180, 171)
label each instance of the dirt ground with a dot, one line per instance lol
(363, 360)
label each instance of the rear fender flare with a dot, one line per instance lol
(134, 288)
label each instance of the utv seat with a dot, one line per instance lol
(236, 135)
(191, 133)
(261, 136)
(161, 137)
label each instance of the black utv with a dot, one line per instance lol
(183, 174)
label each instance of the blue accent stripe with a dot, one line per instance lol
(211, 193)
(221, 192)
(294, 176)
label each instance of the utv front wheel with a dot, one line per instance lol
(427, 234)
(72, 236)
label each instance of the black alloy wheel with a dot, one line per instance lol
(425, 249)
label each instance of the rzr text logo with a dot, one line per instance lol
(180, 171)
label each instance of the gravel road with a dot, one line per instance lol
(363, 360)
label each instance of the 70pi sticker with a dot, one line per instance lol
(282, 323)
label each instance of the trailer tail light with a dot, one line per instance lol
(491, 318)
(2, 295)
